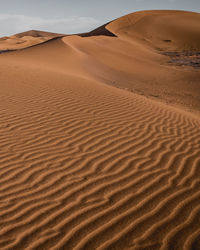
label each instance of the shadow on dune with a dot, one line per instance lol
(100, 31)
(4, 51)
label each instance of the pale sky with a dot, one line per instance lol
(74, 16)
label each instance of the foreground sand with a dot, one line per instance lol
(86, 165)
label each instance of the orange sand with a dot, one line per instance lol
(86, 165)
(26, 39)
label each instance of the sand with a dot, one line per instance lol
(25, 40)
(89, 159)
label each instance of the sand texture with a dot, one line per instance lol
(92, 156)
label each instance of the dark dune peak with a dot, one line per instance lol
(100, 31)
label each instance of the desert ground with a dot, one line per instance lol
(100, 136)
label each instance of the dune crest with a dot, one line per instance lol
(172, 30)
(88, 159)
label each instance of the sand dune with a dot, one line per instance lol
(26, 39)
(86, 165)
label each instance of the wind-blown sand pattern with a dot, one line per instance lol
(86, 165)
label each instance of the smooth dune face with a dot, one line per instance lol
(160, 27)
(86, 165)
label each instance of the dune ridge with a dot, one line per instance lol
(86, 165)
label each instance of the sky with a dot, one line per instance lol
(75, 16)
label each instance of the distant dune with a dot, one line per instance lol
(100, 136)
(26, 39)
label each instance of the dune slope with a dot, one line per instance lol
(86, 165)
(151, 53)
